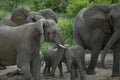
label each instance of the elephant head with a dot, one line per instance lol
(49, 14)
(52, 33)
(113, 16)
(16, 17)
(19, 16)
(34, 16)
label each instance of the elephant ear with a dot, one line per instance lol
(95, 17)
(40, 27)
(49, 14)
(113, 15)
(19, 16)
(34, 16)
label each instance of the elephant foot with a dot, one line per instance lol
(14, 73)
(52, 74)
(102, 66)
(61, 75)
(115, 75)
(2, 67)
(90, 72)
(67, 72)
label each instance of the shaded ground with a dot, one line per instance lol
(102, 74)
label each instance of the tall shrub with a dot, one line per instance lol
(56, 5)
(75, 6)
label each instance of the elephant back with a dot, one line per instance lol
(49, 14)
(19, 16)
(114, 15)
(95, 17)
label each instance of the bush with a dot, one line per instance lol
(75, 6)
(56, 5)
(2, 14)
(65, 24)
(102, 2)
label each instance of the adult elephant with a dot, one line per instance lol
(49, 14)
(20, 45)
(16, 18)
(20, 16)
(93, 27)
(45, 13)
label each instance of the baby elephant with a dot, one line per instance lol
(49, 57)
(76, 60)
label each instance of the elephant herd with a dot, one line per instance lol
(23, 31)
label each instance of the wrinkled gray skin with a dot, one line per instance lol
(22, 16)
(20, 45)
(49, 14)
(34, 16)
(41, 58)
(49, 57)
(45, 13)
(16, 18)
(75, 57)
(114, 41)
(96, 28)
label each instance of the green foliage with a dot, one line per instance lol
(65, 24)
(102, 2)
(45, 46)
(56, 5)
(9, 5)
(75, 6)
(2, 14)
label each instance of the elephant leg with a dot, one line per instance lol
(72, 72)
(2, 67)
(60, 69)
(103, 60)
(14, 73)
(45, 69)
(23, 62)
(35, 67)
(83, 61)
(116, 61)
(76, 72)
(48, 69)
(56, 62)
(91, 68)
(80, 67)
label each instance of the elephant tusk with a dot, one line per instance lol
(61, 45)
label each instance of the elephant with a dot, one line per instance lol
(48, 14)
(16, 18)
(97, 28)
(75, 58)
(114, 41)
(45, 13)
(49, 58)
(20, 16)
(73, 55)
(20, 45)
(34, 16)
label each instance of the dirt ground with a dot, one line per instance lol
(102, 74)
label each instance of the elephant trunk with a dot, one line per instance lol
(61, 49)
(112, 40)
(110, 43)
